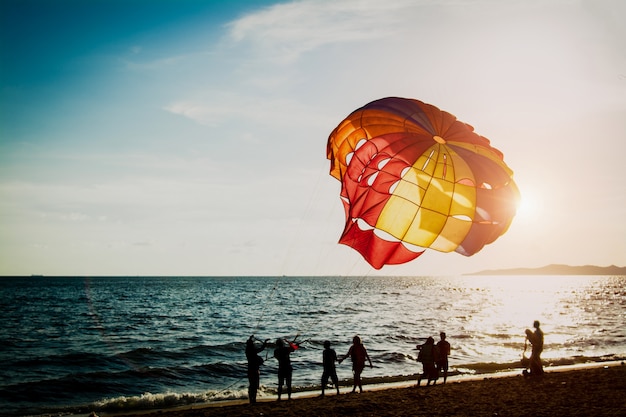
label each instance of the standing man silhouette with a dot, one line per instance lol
(254, 365)
(442, 361)
(536, 340)
(358, 354)
(285, 371)
(329, 357)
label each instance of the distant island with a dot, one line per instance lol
(558, 270)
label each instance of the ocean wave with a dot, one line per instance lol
(149, 401)
(133, 403)
(396, 357)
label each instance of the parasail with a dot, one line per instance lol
(414, 177)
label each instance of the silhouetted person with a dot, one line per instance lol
(254, 365)
(358, 354)
(443, 350)
(428, 357)
(536, 340)
(329, 357)
(281, 353)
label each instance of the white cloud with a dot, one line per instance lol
(222, 108)
(287, 30)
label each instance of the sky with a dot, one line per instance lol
(188, 137)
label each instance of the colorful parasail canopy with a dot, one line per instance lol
(414, 177)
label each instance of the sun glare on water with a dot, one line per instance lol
(514, 302)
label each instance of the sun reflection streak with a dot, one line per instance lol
(514, 302)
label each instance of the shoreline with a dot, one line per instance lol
(401, 398)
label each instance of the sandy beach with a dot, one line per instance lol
(599, 391)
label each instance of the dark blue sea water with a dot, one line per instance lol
(78, 344)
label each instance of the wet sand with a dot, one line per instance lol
(598, 391)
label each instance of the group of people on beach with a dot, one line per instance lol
(282, 352)
(357, 353)
(434, 359)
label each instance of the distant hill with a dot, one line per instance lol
(558, 270)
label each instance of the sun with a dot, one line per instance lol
(530, 206)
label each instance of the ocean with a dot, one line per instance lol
(71, 345)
